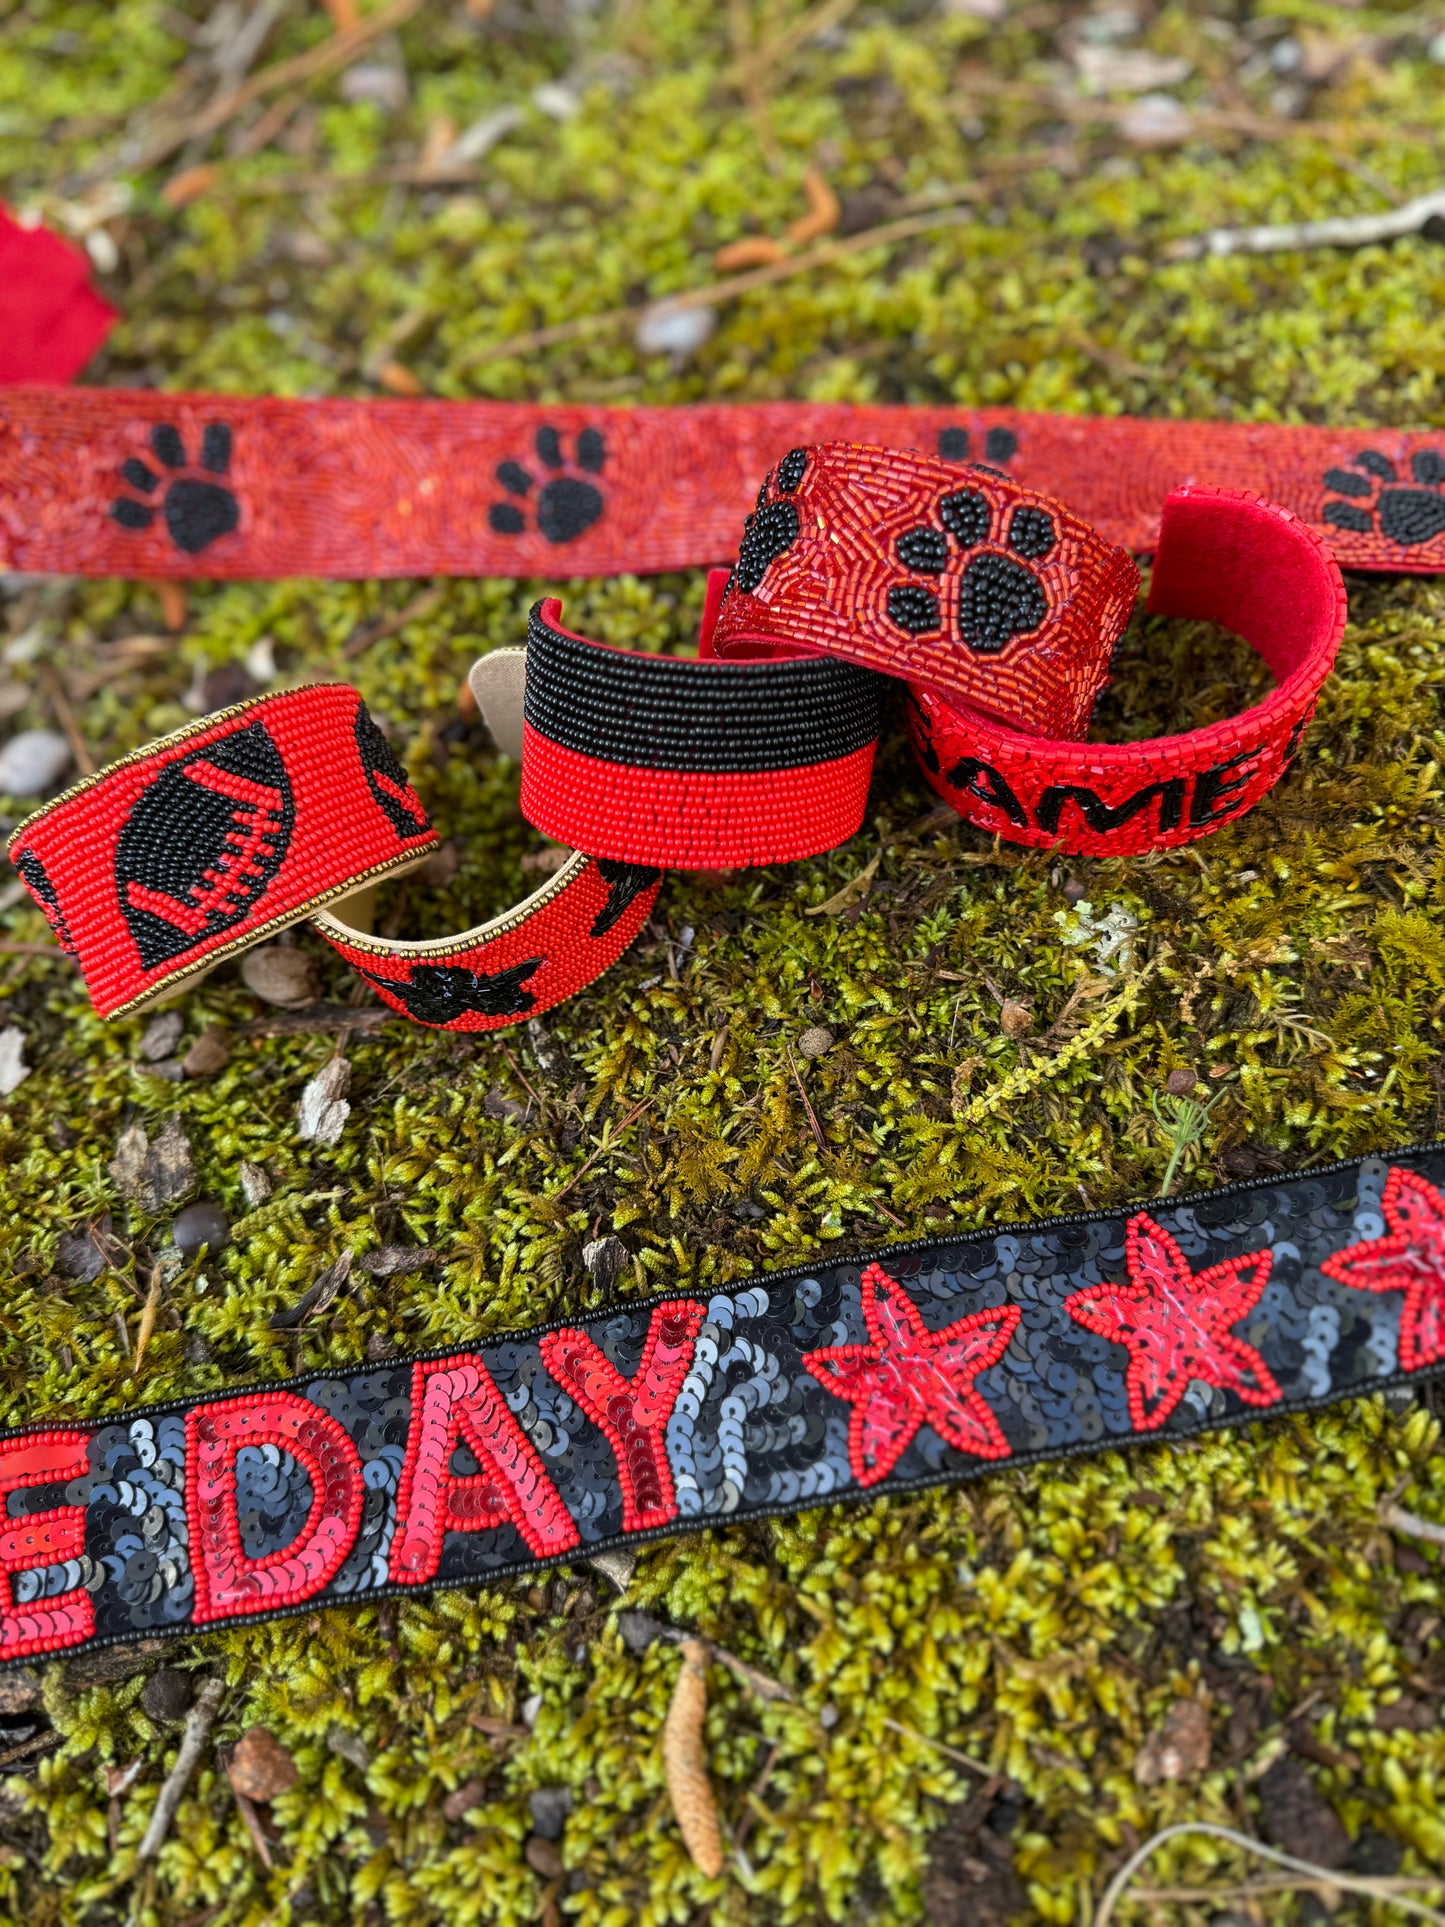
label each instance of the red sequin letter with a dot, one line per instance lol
(229, 1584)
(42, 1539)
(454, 1402)
(633, 1413)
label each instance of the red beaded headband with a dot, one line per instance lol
(137, 483)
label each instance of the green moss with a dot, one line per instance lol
(1042, 1620)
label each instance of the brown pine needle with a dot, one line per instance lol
(147, 1318)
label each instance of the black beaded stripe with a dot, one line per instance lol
(716, 718)
(1058, 1391)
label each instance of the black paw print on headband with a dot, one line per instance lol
(773, 527)
(566, 506)
(999, 595)
(1405, 515)
(956, 444)
(196, 511)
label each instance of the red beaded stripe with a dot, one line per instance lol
(356, 489)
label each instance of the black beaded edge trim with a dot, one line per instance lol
(711, 717)
(892, 1487)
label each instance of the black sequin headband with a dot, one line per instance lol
(923, 1365)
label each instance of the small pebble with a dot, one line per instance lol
(679, 332)
(639, 1630)
(549, 1807)
(161, 1035)
(226, 685)
(260, 1767)
(282, 976)
(531, 1707)
(1015, 1019)
(32, 762)
(210, 1053)
(816, 1041)
(1074, 891)
(1180, 1083)
(199, 1225)
(167, 1695)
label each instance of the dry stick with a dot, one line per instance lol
(636, 1111)
(1344, 231)
(33, 950)
(65, 716)
(418, 607)
(147, 1318)
(339, 51)
(817, 1133)
(199, 1721)
(1399, 1520)
(1349, 1883)
(949, 1752)
(724, 290)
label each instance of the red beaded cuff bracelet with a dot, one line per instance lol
(1224, 556)
(950, 577)
(690, 762)
(202, 844)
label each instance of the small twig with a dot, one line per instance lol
(418, 607)
(1410, 1523)
(330, 1017)
(199, 1721)
(147, 1318)
(636, 1111)
(65, 716)
(27, 1749)
(822, 1142)
(1344, 231)
(337, 52)
(521, 1078)
(763, 1684)
(252, 1821)
(1349, 1883)
(949, 1752)
(34, 950)
(723, 290)
(856, 886)
(755, 1792)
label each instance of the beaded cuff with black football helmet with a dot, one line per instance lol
(211, 839)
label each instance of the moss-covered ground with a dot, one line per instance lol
(1040, 1621)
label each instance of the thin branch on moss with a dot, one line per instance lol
(199, 1721)
(605, 1145)
(949, 1752)
(1381, 1889)
(726, 289)
(1345, 231)
(1410, 1523)
(820, 1140)
(327, 58)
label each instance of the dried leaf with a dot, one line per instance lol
(854, 888)
(315, 1299)
(153, 1174)
(685, 1761)
(260, 1767)
(1179, 1748)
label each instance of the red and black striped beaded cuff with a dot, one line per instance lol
(837, 1379)
(215, 837)
(692, 762)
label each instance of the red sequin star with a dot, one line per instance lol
(1176, 1324)
(909, 1376)
(1410, 1258)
